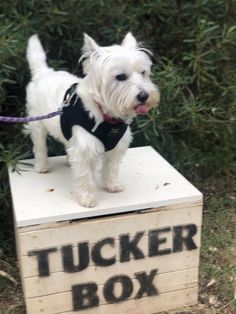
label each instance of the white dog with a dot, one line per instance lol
(98, 109)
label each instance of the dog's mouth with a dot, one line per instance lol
(142, 109)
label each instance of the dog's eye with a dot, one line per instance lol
(143, 73)
(121, 77)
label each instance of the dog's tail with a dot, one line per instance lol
(36, 56)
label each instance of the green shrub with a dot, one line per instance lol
(194, 65)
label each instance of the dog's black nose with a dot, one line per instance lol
(142, 96)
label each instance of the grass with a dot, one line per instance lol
(218, 254)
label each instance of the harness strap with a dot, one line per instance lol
(74, 113)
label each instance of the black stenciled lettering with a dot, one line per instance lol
(43, 262)
(146, 284)
(126, 285)
(84, 296)
(68, 259)
(179, 240)
(155, 241)
(97, 257)
(129, 246)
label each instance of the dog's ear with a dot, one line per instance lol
(129, 41)
(88, 48)
(89, 45)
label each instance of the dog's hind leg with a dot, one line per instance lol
(38, 135)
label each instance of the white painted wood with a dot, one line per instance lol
(149, 181)
(189, 205)
(62, 303)
(113, 226)
(141, 211)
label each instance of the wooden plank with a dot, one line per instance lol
(62, 303)
(180, 260)
(19, 259)
(149, 181)
(61, 281)
(109, 227)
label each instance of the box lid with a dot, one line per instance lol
(149, 180)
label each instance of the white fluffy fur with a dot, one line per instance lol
(118, 99)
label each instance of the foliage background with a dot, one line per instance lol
(194, 65)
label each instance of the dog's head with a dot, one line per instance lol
(119, 77)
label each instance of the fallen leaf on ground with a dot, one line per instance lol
(6, 275)
(211, 283)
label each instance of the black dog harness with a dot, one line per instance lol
(73, 113)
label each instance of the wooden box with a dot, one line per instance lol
(137, 252)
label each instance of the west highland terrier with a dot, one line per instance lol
(96, 110)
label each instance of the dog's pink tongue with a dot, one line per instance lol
(141, 109)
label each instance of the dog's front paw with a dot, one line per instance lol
(87, 200)
(42, 168)
(114, 187)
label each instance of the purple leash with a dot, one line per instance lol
(66, 101)
(29, 119)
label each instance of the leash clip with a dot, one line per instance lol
(69, 95)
